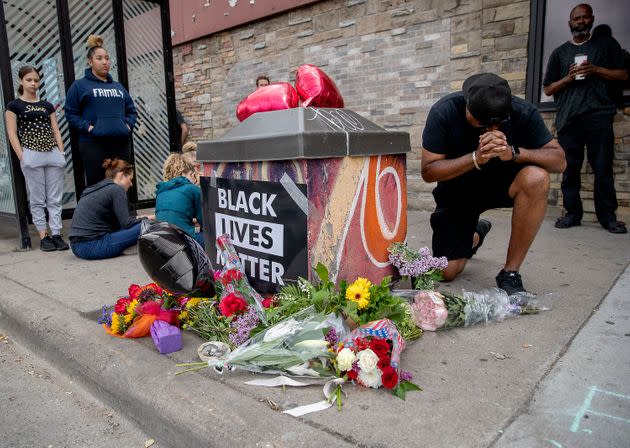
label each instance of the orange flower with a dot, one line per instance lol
(144, 293)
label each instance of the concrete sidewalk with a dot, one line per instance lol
(478, 382)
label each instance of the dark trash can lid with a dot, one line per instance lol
(303, 133)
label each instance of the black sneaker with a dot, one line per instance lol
(59, 243)
(566, 221)
(510, 282)
(47, 244)
(483, 228)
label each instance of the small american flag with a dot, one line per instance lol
(384, 329)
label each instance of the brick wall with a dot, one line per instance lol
(391, 59)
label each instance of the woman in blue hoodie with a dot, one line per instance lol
(101, 111)
(178, 199)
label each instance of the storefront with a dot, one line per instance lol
(51, 35)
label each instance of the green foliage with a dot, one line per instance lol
(205, 320)
(456, 313)
(403, 387)
(327, 298)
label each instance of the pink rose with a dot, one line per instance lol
(428, 310)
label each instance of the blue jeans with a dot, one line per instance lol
(108, 246)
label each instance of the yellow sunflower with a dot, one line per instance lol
(131, 308)
(117, 326)
(359, 292)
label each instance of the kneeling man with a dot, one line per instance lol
(487, 149)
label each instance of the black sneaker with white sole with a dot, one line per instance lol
(510, 282)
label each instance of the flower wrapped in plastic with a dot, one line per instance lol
(234, 291)
(432, 310)
(296, 346)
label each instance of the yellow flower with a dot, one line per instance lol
(116, 324)
(183, 315)
(128, 318)
(131, 308)
(359, 292)
(193, 302)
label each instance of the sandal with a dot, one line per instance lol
(482, 229)
(616, 227)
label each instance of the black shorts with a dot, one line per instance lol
(454, 222)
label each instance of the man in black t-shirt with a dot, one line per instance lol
(585, 116)
(487, 149)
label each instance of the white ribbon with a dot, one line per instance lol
(329, 392)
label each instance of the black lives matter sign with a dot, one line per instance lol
(267, 228)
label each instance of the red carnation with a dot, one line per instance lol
(232, 304)
(380, 347)
(352, 375)
(121, 305)
(384, 362)
(267, 302)
(389, 378)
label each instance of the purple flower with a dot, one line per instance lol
(331, 337)
(243, 325)
(405, 376)
(106, 315)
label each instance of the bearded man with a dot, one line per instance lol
(578, 76)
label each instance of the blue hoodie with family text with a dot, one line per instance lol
(106, 105)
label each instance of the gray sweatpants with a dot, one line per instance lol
(43, 172)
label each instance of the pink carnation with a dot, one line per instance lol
(428, 310)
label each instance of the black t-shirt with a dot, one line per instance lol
(33, 124)
(448, 132)
(591, 94)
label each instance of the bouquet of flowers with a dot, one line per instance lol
(433, 310)
(419, 265)
(295, 346)
(370, 355)
(360, 302)
(132, 315)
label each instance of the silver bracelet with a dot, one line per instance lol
(474, 157)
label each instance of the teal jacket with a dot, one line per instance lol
(178, 201)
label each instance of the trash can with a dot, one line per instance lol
(298, 187)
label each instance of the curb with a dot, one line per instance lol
(188, 411)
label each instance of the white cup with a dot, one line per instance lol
(579, 59)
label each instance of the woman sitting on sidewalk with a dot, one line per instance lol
(178, 199)
(101, 226)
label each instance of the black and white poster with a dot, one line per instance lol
(267, 223)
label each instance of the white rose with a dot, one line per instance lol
(345, 358)
(371, 378)
(367, 360)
